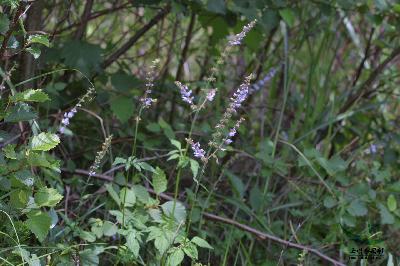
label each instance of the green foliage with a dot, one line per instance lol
(315, 161)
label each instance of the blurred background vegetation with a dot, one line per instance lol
(316, 162)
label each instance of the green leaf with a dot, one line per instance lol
(81, 55)
(386, 216)
(191, 250)
(30, 96)
(9, 151)
(153, 127)
(39, 38)
(159, 181)
(133, 244)
(180, 211)
(357, 208)
(109, 229)
(216, 6)
(391, 203)
(125, 82)
(34, 51)
(119, 160)
(128, 197)
(176, 257)
(48, 197)
(256, 198)
(20, 112)
(167, 129)
(396, 8)
(236, 183)
(19, 198)
(329, 202)
(288, 16)
(162, 243)
(194, 166)
(44, 142)
(201, 242)
(141, 193)
(113, 193)
(39, 224)
(89, 257)
(87, 236)
(176, 143)
(122, 108)
(43, 160)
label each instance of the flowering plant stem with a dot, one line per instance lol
(127, 177)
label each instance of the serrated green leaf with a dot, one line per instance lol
(133, 244)
(201, 242)
(30, 96)
(47, 197)
(81, 55)
(159, 181)
(191, 250)
(87, 236)
(176, 143)
(43, 160)
(34, 51)
(20, 112)
(128, 197)
(39, 224)
(122, 108)
(19, 198)
(113, 193)
(44, 142)
(39, 38)
(9, 151)
(176, 257)
(109, 229)
(119, 160)
(357, 208)
(179, 212)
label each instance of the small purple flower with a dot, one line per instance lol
(211, 94)
(148, 101)
(228, 141)
(186, 93)
(373, 148)
(261, 83)
(239, 96)
(237, 39)
(232, 133)
(197, 151)
(65, 121)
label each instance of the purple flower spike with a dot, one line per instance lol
(197, 151)
(186, 93)
(210, 95)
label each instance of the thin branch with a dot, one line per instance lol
(80, 32)
(94, 16)
(259, 234)
(7, 36)
(363, 90)
(128, 44)
(366, 55)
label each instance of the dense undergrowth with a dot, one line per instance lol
(244, 132)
